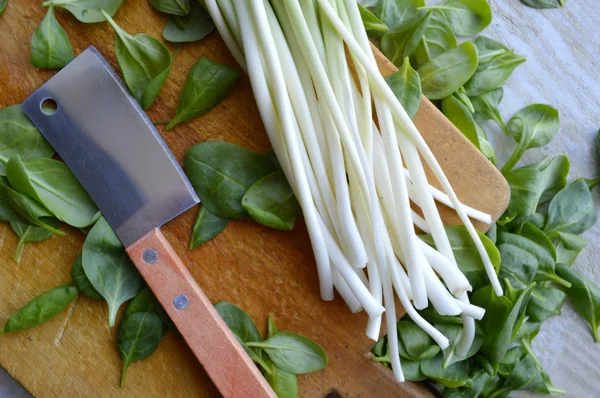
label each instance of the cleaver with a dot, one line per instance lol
(88, 115)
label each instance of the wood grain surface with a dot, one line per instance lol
(263, 271)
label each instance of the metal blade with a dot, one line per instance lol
(112, 147)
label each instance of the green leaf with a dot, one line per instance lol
(18, 136)
(88, 11)
(466, 17)
(29, 210)
(293, 353)
(535, 184)
(484, 145)
(189, 28)
(51, 183)
(571, 210)
(485, 107)
(568, 246)
(437, 39)
(28, 233)
(446, 73)
(207, 84)
(414, 343)
(144, 61)
(173, 7)
(467, 256)
(284, 384)
(271, 202)
(3, 4)
(271, 328)
(145, 301)
(453, 376)
(461, 117)
(544, 3)
(478, 381)
(238, 321)
(7, 212)
(584, 295)
(538, 310)
(139, 336)
(532, 127)
(50, 46)
(109, 268)
(81, 280)
(524, 374)
(545, 386)
(518, 266)
(371, 22)
(206, 227)
(396, 13)
(493, 69)
(221, 173)
(406, 85)
(454, 333)
(42, 308)
(401, 43)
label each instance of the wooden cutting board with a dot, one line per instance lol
(263, 271)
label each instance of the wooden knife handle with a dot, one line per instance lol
(215, 346)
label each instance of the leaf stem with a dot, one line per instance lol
(529, 349)
(124, 374)
(557, 279)
(595, 332)
(19, 247)
(516, 156)
(51, 229)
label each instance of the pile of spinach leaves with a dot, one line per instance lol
(537, 239)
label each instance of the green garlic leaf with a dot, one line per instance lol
(144, 61)
(109, 268)
(373, 25)
(401, 43)
(544, 3)
(584, 295)
(406, 85)
(189, 28)
(28, 233)
(81, 280)
(88, 11)
(271, 202)
(462, 118)
(50, 46)
(437, 39)
(446, 73)
(293, 353)
(139, 336)
(52, 184)
(466, 17)
(532, 127)
(18, 136)
(221, 173)
(207, 84)
(41, 309)
(572, 210)
(173, 7)
(206, 227)
(396, 13)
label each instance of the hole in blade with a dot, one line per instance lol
(49, 106)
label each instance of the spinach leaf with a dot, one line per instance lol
(81, 281)
(3, 4)
(30, 211)
(406, 85)
(466, 17)
(396, 13)
(207, 84)
(446, 73)
(437, 39)
(538, 310)
(144, 61)
(501, 315)
(28, 233)
(206, 227)
(484, 145)
(568, 246)
(88, 11)
(479, 379)
(485, 107)
(221, 173)
(545, 386)
(189, 28)
(461, 117)
(373, 25)
(496, 64)
(173, 7)
(284, 384)
(51, 183)
(271, 328)
(414, 343)
(378, 349)
(518, 266)
(293, 353)
(532, 127)
(8, 213)
(401, 43)
(454, 333)
(467, 256)
(139, 336)
(238, 321)
(18, 136)
(571, 210)
(109, 269)
(524, 374)
(535, 184)
(271, 202)
(584, 295)
(50, 46)
(145, 301)
(42, 308)
(544, 3)
(453, 376)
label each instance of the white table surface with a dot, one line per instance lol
(562, 47)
